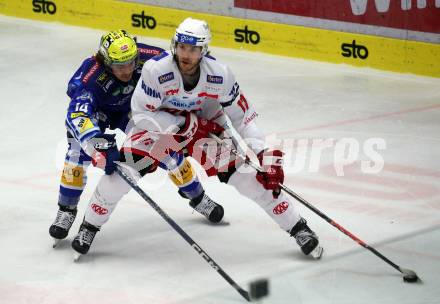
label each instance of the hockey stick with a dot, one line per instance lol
(183, 234)
(408, 275)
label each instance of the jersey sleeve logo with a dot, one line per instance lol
(166, 77)
(90, 73)
(233, 94)
(214, 79)
(83, 124)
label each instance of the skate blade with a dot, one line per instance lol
(55, 242)
(317, 252)
(76, 256)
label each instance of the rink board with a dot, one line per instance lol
(389, 54)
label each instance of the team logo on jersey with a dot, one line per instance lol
(149, 91)
(166, 77)
(281, 208)
(214, 79)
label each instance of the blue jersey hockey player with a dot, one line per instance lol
(100, 92)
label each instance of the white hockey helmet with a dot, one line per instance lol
(192, 31)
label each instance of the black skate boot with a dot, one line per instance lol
(306, 239)
(64, 220)
(83, 240)
(206, 206)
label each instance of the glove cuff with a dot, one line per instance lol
(269, 158)
(190, 127)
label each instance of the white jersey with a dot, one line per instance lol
(160, 97)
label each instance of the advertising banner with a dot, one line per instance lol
(414, 15)
(361, 50)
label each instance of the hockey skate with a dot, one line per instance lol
(61, 226)
(306, 239)
(83, 240)
(204, 205)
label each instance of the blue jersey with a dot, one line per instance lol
(98, 99)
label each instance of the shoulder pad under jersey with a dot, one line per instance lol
(147, 51)
(210, 57)
(161, 56)
(83, 77)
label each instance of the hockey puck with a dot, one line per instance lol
(259, 289)
(410, 278)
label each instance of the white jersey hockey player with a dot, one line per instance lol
(181, 98)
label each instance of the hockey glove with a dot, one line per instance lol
(196, 128)
(105, 152)
(272, 175)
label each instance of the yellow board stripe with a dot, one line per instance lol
(295, 41)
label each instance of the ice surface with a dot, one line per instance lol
(138, 258)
